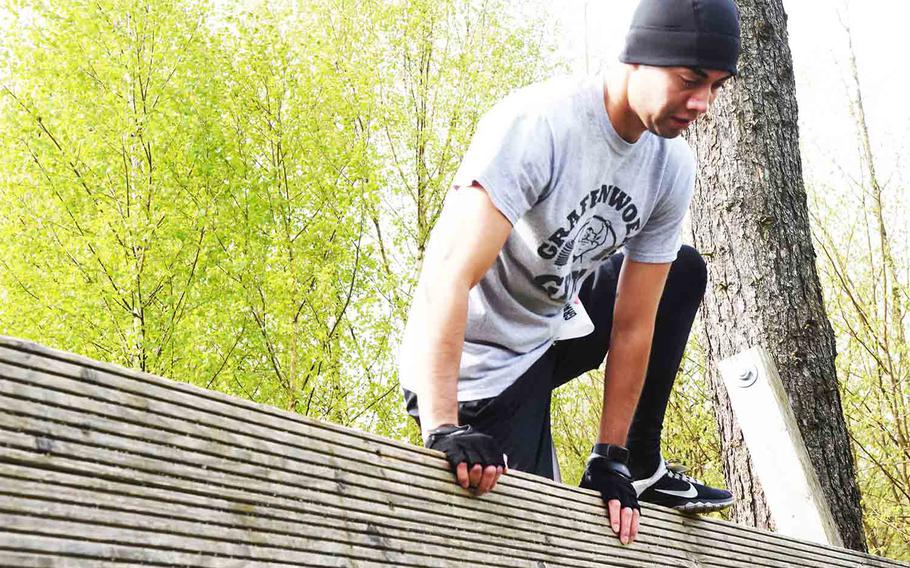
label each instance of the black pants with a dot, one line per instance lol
(519, 417)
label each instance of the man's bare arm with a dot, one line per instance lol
(465, 241)
(637, 297)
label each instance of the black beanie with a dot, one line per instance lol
(684, 33)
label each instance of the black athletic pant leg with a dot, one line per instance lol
(679, 303)
(519, 418)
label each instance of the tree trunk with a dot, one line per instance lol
(751, 222)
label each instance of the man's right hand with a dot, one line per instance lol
(476, 458)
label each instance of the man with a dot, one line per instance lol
(570, 202)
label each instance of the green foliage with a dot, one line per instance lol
(574, 422)
(94, 124)
(690, 429)
(238, 194)
(867, 294)
(862, 235)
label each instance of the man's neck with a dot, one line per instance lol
(616, 101)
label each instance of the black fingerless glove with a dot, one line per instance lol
(464, 444)
(611, 478)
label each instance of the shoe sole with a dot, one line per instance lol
(703, 507)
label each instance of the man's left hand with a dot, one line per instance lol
(612, 479)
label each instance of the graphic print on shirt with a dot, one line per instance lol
(595, 233)
(606, 212)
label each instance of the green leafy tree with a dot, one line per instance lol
(861, 236)
(186, 198)
(237, 194)
(450, 61)
(103, 231)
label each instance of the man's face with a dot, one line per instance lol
(668, 99)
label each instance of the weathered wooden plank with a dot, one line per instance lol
(409, 467)
(268, 424)
(224, 422)
(121, 429)
(776, 448)
(210, 523)
(66, 488)
(698, 547)
(456, 535)
(68, 551)
(20, 480)
(44, 355)
(165, 535)
(152, 395)
(83, 440)
(286, 524)
(42, 560)
(448, 485)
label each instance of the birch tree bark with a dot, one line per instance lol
(751, 222)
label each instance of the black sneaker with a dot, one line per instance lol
(670, 487)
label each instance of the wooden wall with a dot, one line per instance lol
(102, 466)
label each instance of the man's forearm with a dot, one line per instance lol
(464, 243)
(627, 363)
(432, 347)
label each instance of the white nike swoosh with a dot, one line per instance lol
(689, 493)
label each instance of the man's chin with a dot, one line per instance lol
(666, 132)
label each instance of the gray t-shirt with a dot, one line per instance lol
(575, 193)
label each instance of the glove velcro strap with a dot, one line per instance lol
(606, 464)
(444, 430)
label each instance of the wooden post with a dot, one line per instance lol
(779, 457)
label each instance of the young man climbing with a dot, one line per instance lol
(569, 202)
